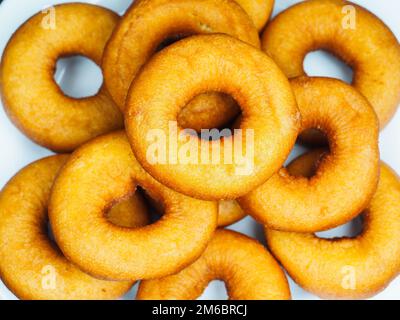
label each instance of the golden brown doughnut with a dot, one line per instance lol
(149, 23)
(105, 170)
(270, 116)
(345, 180)
(258, 10)
(32, 98)
(246, 267)
(357, 267)
(368, 46)
(30, 264)
(229, 212)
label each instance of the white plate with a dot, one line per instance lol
(18, 151)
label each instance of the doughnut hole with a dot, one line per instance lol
(217, 111)
(78, 76)
(155, 207)
(309, 167)
(352, 229)
(131, 211)
(314, 137)
(216, 290)
(321, 63)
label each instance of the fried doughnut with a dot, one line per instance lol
(348, 267)
(32, 98)
(345, 180)
(248, 269)
(229, 212)
(270, 116)
(151, 23)
(100, 172)
(258, 10)
(368, 46)
(28, 256)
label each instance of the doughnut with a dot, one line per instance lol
(345, 180)
(105, 170)
(368, 46)
(149, 24)
(247, 268)
(28, 256)
(269, 125)
(258, 10)
(31, 97)
(229, 212)
(346, 268)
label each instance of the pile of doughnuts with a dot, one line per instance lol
(113, 207)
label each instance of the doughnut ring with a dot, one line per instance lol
(149, 24)
(348, 267)
(105, 169)
(28, 256)
(364, 45)
(32, 98)
(247, 268)
(265, 95)
(345, 180)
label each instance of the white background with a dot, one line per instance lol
(82, 78)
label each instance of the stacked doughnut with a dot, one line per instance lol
(137, 192)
